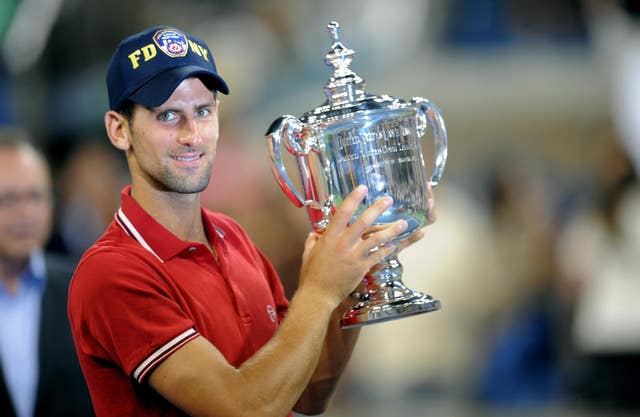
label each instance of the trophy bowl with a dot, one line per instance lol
(357, 138)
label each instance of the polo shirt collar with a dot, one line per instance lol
(153, 236)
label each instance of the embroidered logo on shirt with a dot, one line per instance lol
(271, 312)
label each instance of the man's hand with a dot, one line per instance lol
(335, 262)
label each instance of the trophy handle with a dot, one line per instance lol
(287, 129)
(300, 143)
(429, 115)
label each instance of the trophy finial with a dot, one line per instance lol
(339, 56)
(334, 28)
(344, 86)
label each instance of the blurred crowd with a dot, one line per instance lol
(534, 255)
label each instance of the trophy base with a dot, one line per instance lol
(392, 302)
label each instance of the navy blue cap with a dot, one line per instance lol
(147, 67)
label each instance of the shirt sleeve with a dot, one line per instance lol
(123, 310)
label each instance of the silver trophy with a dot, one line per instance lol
(358, 138)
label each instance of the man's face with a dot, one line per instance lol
(173, 145)
(25, 202)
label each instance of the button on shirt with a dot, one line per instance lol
(19, 331)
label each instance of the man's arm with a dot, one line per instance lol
(337, 349)
(198, 379)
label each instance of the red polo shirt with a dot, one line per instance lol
(140, 293)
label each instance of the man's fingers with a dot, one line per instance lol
(375, 228)
(432, 216)
(410, 241)
(382, 238)
(342, 216)
(369, 216)
(431, 208)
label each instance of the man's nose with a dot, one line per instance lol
(190, 134)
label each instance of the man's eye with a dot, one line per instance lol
(167, 116)
(204, 112)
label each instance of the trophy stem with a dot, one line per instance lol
(386, 297)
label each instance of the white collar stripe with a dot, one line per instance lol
(128, 226)
(117, 218)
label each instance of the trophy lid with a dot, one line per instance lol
(345, 90)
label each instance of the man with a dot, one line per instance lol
(39, 374)
(174, 310)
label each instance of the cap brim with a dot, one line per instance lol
(158, 89)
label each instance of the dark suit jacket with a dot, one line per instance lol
(62, 391)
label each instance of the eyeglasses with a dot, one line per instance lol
(13, 199)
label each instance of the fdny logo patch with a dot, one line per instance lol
(172, 42)
(271, 312)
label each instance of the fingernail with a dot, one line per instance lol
(402, 225)
(387, 201)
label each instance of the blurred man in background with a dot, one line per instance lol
(40, 375)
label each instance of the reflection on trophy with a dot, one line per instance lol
(358, 138)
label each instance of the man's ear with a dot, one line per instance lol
(117, 127)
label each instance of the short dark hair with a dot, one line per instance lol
(126, 110)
